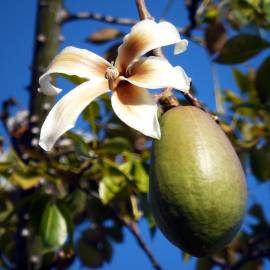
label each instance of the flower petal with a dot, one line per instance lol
(64, 114)
(156, 72)
(137, 108)
(73, 61)
(145, 36)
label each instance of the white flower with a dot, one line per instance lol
(127, 80)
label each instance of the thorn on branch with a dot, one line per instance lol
(41, 38)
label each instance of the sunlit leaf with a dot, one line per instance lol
(53, 227)
(110, 186)
(140, 175)
(67, 216)
(24, 181)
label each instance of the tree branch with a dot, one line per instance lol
(142, 10)
(71, 17)
(166, 95)
(255, 255)
(65, 17)
(133, 228)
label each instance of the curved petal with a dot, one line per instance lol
(64, 114)
(73, 61)
(137, 108)
(156, 72)
(145, 36)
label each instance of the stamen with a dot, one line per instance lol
(112, 75)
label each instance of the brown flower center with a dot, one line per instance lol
(112, 75)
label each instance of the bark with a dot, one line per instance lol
(47, 35)
(45, 48)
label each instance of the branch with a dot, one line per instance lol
(192, 6)
(69, 17)
(255, 255)
(65, 17)
(144, 14)
(142, 10)
(166, 96)
(133, 228)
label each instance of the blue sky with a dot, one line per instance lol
(17, 29)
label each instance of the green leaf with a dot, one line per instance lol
(244, 83)
(69, 223)
(259, 162)
(256, 211)
(241, 48)
(204, 264)
(148, 213)
(73, 79)
(95, 240)
(53, 227)
(89, 254)
(81, 146)
(116, 145)
(115, 233)
(110, 186)
(215, 36)
(24, 180)
(262, 81)
(253, 265)
(4, 166)
(38, 205)
(140, 175)
(76, 202)
(90, 114)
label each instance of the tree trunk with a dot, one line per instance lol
(45, 48)
(46, 44)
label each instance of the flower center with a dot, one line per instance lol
(112, 75)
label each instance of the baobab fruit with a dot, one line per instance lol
(197, 185)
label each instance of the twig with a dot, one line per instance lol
(66, 17)
(195, 102)
(167, 93)
(255, 255)
(144, 14)
(218, 261)
(192, 6)
(70, 17)
(142, 10)
(133, 228)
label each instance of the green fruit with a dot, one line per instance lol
(197, 185)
